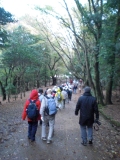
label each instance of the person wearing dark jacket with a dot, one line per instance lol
(87, 105)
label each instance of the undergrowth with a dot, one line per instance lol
(112, 121)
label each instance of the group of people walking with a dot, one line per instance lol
(49, 102)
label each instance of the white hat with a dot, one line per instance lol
(49, 91)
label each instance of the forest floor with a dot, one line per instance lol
(66, 145)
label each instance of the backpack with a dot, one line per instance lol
(32, 111)
(50, 109)
(59, 96)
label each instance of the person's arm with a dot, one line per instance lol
(42, 108)
(96, 110)
(24, 113)
(38, 104)
(77, 107)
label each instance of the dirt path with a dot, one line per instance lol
(14, 144)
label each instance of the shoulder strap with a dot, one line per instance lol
(32, 101)
(47, 97)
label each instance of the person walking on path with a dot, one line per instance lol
(87, 105)
(47, 118)
(69, 91)
(41, 97)
(32, 123)
(40, 94)
(59, 99)
(65, 96)
(45, 94)
(75, 88)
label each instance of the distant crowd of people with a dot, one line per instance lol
(43, 105)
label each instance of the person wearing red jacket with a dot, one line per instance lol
(32, 125)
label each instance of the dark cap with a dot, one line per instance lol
(87, 89)
(41, 90)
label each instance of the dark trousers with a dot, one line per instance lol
(32, 128)
(63, 103)
(70, 96)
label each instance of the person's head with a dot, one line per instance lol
(87, 89)
(34, 94)
(40, 90)
(63, 88)
(58, 89)
(49, 91)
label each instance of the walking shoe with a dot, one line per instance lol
(57, 108)
(32, 140)
(44, 138)
(49, 141)
(84, 143)
(90, 142)
(29, 137)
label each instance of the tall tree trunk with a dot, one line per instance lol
(97, 81)
(38, 84)
(89, 76)
(109, 91)
(54, 81)
(3, 91)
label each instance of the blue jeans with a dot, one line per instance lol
(74, 91)
(32, 128)
(86, 133)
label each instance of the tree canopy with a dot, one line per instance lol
(6, 17)
(86, 43)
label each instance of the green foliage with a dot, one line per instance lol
(21, 60)
(10, 89)
(29, 61)
(108, 58)
(3, 37)
(5, 17)
(91, 31)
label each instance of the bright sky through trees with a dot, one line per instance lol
(21, 7)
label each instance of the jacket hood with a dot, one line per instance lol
(34, 94)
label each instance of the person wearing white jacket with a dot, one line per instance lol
(65, 96)
(41, 96)
(47, 119)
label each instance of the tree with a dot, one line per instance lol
(78, 43)
(20, 59)
(113, 19)
(5, 18)
(52, 59)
